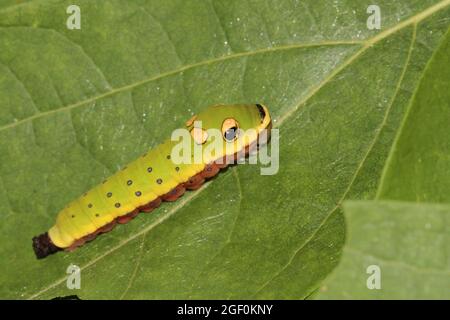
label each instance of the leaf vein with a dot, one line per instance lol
(181, 204)
(176, 71)
(358, 168)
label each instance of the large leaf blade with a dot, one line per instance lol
(245, 251)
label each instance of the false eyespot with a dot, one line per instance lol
(230, 128)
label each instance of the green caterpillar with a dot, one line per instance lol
(154, 177)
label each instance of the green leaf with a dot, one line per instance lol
(408, 242)
(415, 170)
(418, 167)
(76, 105)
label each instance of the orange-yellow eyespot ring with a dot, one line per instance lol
(199, 135)
(230, 129)
(191, 120)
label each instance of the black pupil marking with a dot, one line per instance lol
(129, 182)
(97, 215)
(168, 157)
(177, 168)
(149, 169)
(73, 216)
(109, 194)
(117, 205)
(90, 205)
(230, 134)
(138, 193)
(159, 181)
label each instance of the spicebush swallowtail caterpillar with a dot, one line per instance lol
(143, 184)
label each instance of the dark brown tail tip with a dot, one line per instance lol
(43, 246)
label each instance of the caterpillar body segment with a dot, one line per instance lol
(143, 184)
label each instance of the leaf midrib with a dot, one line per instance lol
(176, 71)
(368, 42)
(414, 20)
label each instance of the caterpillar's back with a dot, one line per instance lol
(145, 182)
